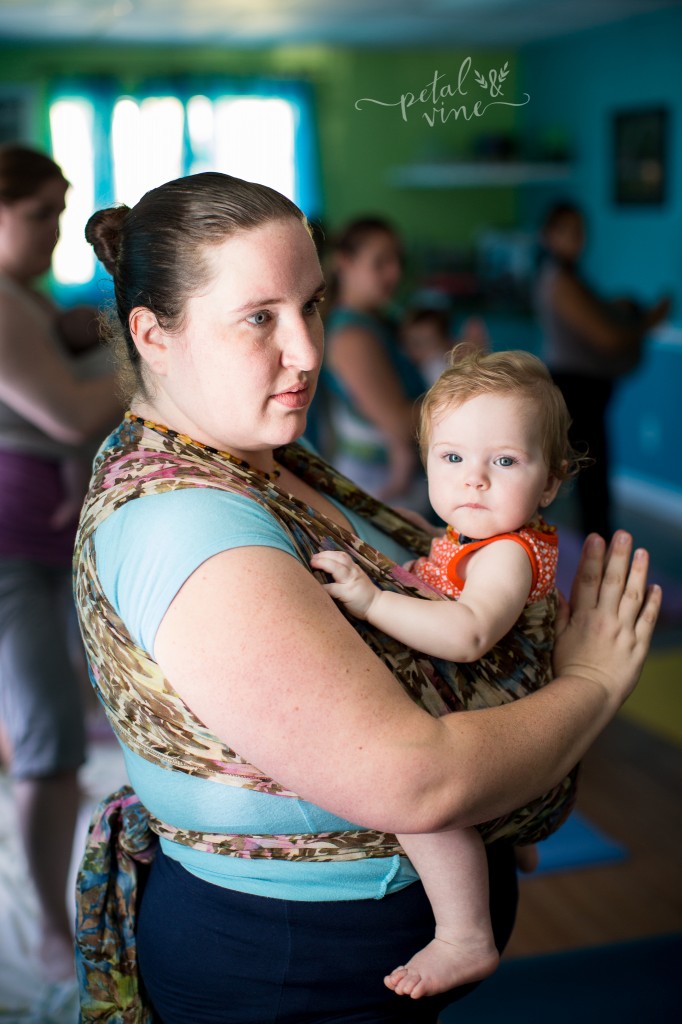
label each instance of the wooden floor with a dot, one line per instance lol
(631, 788)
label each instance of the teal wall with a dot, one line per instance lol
(576, 84)
(357, 148)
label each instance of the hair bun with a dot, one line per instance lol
(103, 232)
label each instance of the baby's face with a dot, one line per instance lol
(423, 342)
(486, 468)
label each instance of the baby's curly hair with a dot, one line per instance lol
(473, 372)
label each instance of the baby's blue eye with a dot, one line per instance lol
(453, 457)
(505, 460)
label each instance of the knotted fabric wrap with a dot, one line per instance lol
(120, 848)
(151, 719)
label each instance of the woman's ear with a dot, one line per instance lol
(150, 340)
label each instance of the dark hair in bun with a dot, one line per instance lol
(155, 251)
(103, 232)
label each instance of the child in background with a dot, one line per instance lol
(494, 440)
(426, 339)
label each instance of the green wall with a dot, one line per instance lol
(357, 148)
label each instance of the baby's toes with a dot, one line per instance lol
(407, 986)
(391, 980)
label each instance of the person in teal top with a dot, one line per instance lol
(245, 654)
(371, 389)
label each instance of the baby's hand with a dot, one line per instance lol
(351, 585)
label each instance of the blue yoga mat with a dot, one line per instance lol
(627, 983)
(577, 844)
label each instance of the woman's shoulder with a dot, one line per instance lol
(23, 316)
(149, 547)
(25, 302)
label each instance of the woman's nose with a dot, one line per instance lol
(302, 347)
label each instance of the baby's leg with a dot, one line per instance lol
(454, 873)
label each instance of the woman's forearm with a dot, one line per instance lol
(341, 733)
(510, 755)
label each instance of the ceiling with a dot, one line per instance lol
(351, 22)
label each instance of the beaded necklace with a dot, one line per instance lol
(186, 439)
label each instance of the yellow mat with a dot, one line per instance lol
(657, 701)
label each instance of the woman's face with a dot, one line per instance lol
(29, 230)
(371, 275)
(566, 238)
(241, 373)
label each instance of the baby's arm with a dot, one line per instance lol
(498, 581)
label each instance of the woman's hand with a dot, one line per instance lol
(604, 635)
(351, 586)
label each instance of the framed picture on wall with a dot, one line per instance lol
(640, 156)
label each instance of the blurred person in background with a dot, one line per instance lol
(53, 399)
(371, 386)
(588, 343)
(427, 339)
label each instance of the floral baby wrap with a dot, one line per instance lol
(151, 719)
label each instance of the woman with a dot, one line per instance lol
(588, 344)
(257, 723)
(372, 386)
(46, 411)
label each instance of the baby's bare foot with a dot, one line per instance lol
(443, 965)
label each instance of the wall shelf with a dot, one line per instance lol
(477, 174)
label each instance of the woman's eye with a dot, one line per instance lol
(453, 457)
(505, 460)
(259, 319)
(310, 308)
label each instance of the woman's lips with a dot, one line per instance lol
(295, 398)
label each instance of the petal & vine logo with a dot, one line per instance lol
(439, 92)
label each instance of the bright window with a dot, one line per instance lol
(146, 145)
(248, 137)
(138, 143)
(71, 124)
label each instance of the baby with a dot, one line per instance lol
(494, 439)
(426, 339)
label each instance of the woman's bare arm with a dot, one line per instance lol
(368, 375)
(574, 302)
(265, 659)
(36, 382)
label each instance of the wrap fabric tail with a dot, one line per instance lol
(142, 458)
(119, 851)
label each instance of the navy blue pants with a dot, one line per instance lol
(208, 955)
(587, 399)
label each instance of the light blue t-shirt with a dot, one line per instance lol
(145, 551)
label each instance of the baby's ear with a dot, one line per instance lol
(551, 490)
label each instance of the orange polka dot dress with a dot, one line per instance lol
(538, 539)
